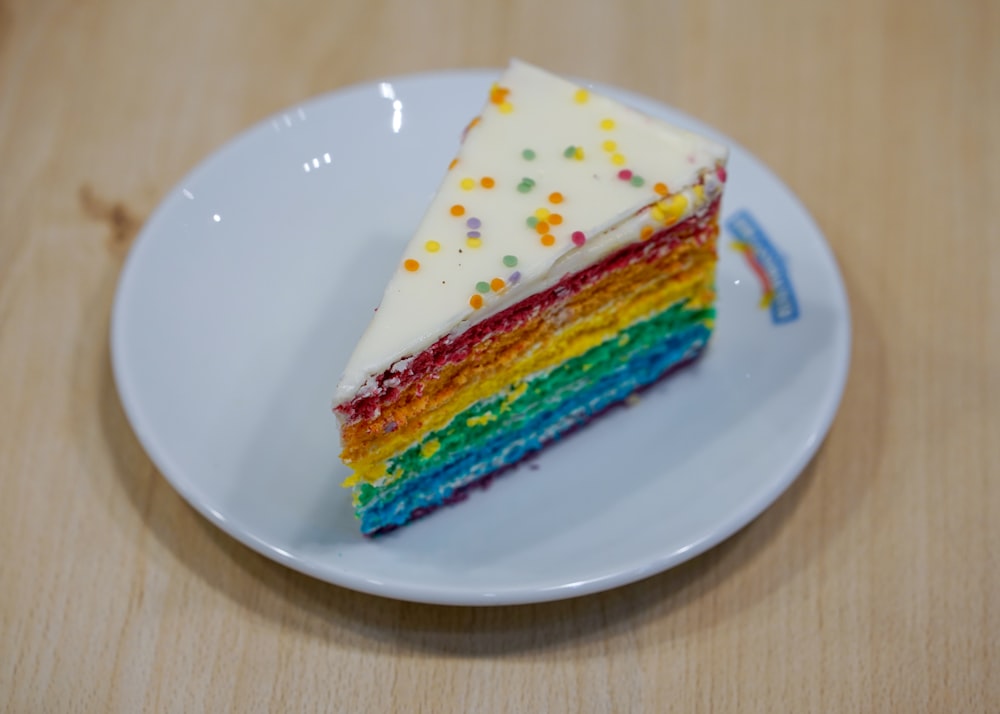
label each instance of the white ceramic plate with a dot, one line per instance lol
(249, 285)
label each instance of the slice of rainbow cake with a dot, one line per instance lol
(566, 261)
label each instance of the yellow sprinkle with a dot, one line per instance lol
(617, 159)
(430, 448)
(671, 209)
(581, 96)
(609, 145)
(505, 107)
(432, 246)
(578, 155)
(699, 194)
(467, 184)
(607, 124)
(657, 214)
(542, 213)
(473, 242)
(480, 420)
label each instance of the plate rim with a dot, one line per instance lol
(422, 592)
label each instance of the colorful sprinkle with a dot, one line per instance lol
(483, 286)
(467, 184)
(432, 246)
(473, 222)
(515, 277)
(411, 265)
(458, 210)
(528, 155)
(510, 260)
(578, 238)
(669, 210)
(498, 94)
(542, 213)
(555, 197)
(646, 232)
(526, 185)
(453, 164)
(532, 221)
(487, 182)
(578, 154)
(569, 152)
(637, 181)
(625, 174)
(720, 171)
(473, 234)
(609, 145)
(607, 124)
(497, 284)
(548, 239)
(542, 227)
(554, 219)
(581, 96)
(476, 301)
(506, 107)
(473, 241)
(660, 188)
(617, 159)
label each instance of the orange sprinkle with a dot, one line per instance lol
(411, 265)
(476, 301)
(542, 227)
(548, 239)
(453, 164)
(646, 232)
(497, 284)
(660, 188)
(554, 219)
(498, 94)
(458, 210)
(555, 197)
(487, 182)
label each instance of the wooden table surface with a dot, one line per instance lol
(873, 584)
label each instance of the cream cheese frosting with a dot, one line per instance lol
(548, 179)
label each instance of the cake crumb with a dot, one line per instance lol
(632, 399)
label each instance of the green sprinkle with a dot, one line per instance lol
(532, 221)
(483, 286)
(637, 180)
(510, 260)
(526, 185)
(570, 152)
(528, 154)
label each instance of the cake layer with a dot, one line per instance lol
(573, 317)
(550, 406)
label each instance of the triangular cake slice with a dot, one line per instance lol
(566, 261)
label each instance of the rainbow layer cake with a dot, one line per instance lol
(566, 261)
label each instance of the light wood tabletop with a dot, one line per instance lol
(872, 584)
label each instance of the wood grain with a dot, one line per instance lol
(872, 585)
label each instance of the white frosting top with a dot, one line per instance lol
(549, 178)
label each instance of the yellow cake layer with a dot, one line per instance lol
(595, 314)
